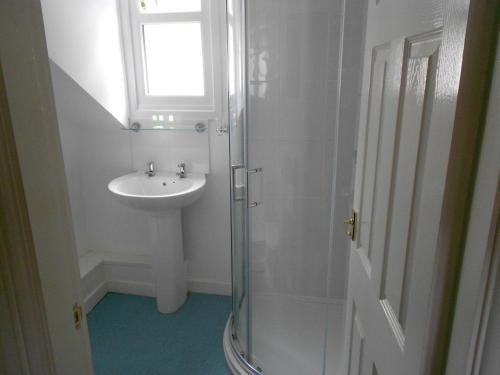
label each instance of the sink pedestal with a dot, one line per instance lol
(168, 260)
(163, 195)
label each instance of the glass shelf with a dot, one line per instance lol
(184, 126)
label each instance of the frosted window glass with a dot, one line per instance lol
(169, 6)
(174, 59)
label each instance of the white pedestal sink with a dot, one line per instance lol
(163, 195)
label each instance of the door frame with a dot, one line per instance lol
(39, 280)
(480, 261)
(474, 22)
(475, 297)
(22, 314)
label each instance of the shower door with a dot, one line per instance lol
(288, 280)
(238, 161)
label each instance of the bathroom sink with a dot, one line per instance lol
(163, 195)
(163, 191)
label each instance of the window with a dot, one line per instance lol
(170, 6)
(179, 76)
(168, 51)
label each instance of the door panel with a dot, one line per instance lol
(372, 144)
(403, 155)
(406, 188)
(357, 341)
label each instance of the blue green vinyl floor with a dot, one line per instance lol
(130, 337)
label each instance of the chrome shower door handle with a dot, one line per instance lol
(259, 201)
(237, 190)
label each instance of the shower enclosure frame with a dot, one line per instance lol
(237, 340)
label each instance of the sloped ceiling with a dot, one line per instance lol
(83, 39)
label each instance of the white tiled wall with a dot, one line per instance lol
(96, 150)
(168, 148)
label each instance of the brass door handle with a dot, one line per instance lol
(350, 221)
(351, 225)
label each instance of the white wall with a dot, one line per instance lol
(96, 150)
(83, 38)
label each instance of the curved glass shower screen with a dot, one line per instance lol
(239, 206)
(288, 281)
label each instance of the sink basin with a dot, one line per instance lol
(163, 196)
(161, 192)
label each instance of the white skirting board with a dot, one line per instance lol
(94, 296)
(129, 274)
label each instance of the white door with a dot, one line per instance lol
(408, 103)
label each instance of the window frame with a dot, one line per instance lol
(142, 106)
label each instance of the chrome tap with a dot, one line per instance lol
(151, 169)
(182, 170)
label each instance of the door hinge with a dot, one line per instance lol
(351, 224)
(77, 315)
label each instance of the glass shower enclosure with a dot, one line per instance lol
(240, 324)
(288, 280)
